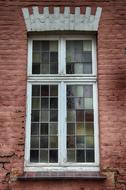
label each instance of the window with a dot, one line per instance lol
(62, 123)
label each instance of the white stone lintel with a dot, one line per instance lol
(58, 21)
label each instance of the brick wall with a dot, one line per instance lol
(111, 41)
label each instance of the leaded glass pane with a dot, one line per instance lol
(78, 56)
(35, 142)
(71, 156)
(44, 155)
(44, 129)
(36, 90)
(34, 156)
(53, 128)
(90, 155)
(89, 142)
(44, 142)
(34, 128)
(70, 141)
(44, 125)
(53, 156)
(71, 128)
(45, 57)
(80, 128)
(35, 115)
(80, 155)
(44, 103)
(53, 142)
(35, 103)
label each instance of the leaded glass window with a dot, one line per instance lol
(62, 102)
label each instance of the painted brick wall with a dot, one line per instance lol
(111, 42)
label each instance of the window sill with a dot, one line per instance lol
(61, 175)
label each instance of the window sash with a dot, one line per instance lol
(62, 55)
(62, 101)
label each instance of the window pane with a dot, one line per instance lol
(80, 141)
(37, 45)
(44, 45)
(80, 115)
(44, 90)
(80, 130)
(53, 46)
(45, 57)
(78, 68)
(70, 142)
(89, 141)
(89, 127)
(71, 156)
(44, 116)
(53, 68)
(71, 116)
(53, 142)
(34, 156)
(53, 115)
(80, 155)
(44, 142)
(71, 128)
(80, 127)
(53, 90)
(88, 91)
(89, 116)
(44, 103)
(78, 56)
(89, 155)
(44, 156)
(36, 90)
(36, 69)
(35, 129)
(44, 128)
(35, 103)
(35, 115)
(53, 156)
(53, 128)
(53, 103)
(88, 103)
(44, 123)
(34, 142)
(36, 58)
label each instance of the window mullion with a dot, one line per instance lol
(62, 123)
(61, 56)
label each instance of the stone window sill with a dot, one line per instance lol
(61, 175)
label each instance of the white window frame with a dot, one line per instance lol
(62, 80)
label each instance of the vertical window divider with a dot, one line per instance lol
(62, 123)
(62, 56)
